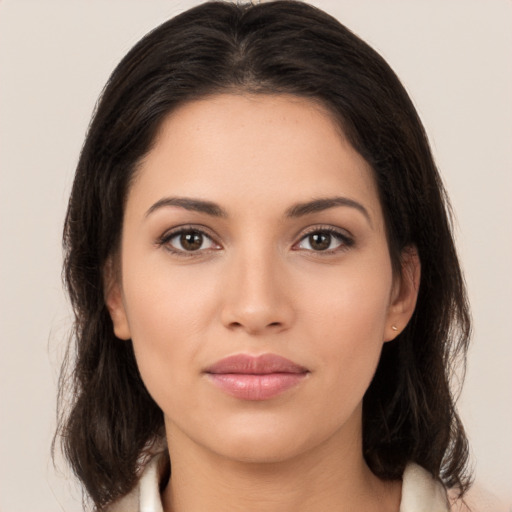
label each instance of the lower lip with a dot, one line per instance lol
(255, 387)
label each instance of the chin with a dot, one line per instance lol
(261, 440)
(258, 450)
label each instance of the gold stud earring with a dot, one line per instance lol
(394, 327)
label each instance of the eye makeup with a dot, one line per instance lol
(194, 240)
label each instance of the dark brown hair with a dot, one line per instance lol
(278, 47)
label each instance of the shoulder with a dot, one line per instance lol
(423, 493)
(477, 499)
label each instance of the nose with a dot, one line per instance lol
(257, 296)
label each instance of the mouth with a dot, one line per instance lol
(255, 378)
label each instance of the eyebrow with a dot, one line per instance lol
(295, 211)
(319, 205)
(194, 205)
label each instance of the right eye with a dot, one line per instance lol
(187, 240)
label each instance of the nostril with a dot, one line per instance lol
(253, 328)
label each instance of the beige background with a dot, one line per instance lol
(454, 57)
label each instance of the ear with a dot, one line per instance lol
(404, 294)
(114, 300)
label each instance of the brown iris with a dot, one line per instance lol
(320, 241)
(191, 240)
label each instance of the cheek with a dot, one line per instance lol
(353, 299)
(348, 322)
(164, 299)
(168, 314)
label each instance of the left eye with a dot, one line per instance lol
(323, 241)
(190, 241)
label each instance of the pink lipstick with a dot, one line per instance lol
(255, 378)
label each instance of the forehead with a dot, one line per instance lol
(265, 149)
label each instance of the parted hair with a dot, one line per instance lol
(107, 419)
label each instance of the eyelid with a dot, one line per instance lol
(167, 236)
(343, 235)
(347, 239)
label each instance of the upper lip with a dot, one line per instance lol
(255, 365)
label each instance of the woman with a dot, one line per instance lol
(267, 295)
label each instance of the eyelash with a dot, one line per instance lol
(164, 241)
(346, 240)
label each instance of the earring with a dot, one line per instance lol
(394, 327)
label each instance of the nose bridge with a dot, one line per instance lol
(255, 296)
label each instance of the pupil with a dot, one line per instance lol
(191, 241)
(320, 241)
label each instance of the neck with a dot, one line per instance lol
(333, 476)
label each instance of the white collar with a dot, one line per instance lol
(420, 492)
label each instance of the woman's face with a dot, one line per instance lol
(254, 229)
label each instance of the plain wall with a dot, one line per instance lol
(454, 57)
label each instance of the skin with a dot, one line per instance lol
(258, 284)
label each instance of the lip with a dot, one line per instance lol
(255, 377)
